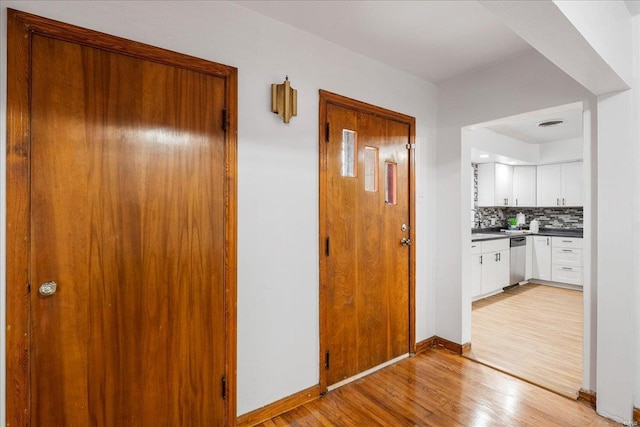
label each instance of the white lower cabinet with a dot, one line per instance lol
(476, 269)
(489, 267)
(541, 258)
(564, 274)
(528, 266)
(566, 260)
(557, 259)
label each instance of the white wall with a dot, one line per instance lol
(605, 26)
(537, 154)
(616, 284)
(493, 142)
(278, 168)
(562, 151)
(520, 85)
(555, 35)
(636, 224)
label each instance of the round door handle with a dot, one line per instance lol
(405, 241)
(48, 288)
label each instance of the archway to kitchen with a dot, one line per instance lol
(528, 291)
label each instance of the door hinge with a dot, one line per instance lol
(411, 146)
(326, 247)
(28, 288)
(326, 132)
(224, 387)
(225, 120)
(326, 360)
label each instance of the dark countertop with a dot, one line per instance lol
(495, 233)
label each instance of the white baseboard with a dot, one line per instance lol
(554, 284)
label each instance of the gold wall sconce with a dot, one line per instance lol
(284, 100)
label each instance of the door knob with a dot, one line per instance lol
(405, 241)
(48, 288)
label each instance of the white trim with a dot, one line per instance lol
(367, 372)
(555, 284)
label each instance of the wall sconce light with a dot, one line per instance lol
(284, 100)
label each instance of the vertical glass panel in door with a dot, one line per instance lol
(390, 183)
(370, 169)
(349, 153)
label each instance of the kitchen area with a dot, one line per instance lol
(526, 258)
(527, 225)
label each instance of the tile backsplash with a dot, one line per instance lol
(571, 218)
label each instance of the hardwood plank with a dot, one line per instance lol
(440, 388)
(533, 332)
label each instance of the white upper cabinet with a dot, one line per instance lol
(549, 187)
(504, 184)
(495, 184)
(560, 184)
(524, 186)
(572, 186)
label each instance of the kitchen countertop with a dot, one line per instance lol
(494, 233)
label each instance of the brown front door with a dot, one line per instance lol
(128, 217)
(366, 226)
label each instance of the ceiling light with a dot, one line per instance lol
(550, 123)
(484, 156)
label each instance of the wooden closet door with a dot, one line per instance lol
(127, 218)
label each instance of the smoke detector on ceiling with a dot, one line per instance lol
(550, 123)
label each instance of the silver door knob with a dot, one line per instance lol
(405, 241)
(48, 288)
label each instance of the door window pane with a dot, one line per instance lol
(370, 169)
(390, 183)
(348, 153)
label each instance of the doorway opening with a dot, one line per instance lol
(529, 212)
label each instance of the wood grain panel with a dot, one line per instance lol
(588, 397)
(127, 216)
(342, 322)
(278, 407)
(534, 332)
(452, 346)
(424, 345)
(18, 202)
(636, 415)
(367, 286)
(440, 388)
(133, 195)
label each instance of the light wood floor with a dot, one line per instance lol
(533, 332)
(439, 388)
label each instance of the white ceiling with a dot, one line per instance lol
(434, 40)
(527, 130)
(633, 6)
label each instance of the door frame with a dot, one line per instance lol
(21, 27)
(329, 98)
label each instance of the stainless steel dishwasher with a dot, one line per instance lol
(518, 259)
